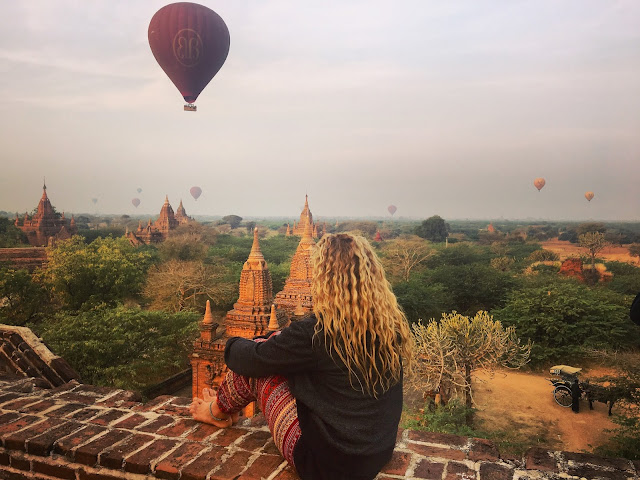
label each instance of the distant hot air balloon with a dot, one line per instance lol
(139, 190)
(392, 209)
(539, 183)
(589, 196)
(94, 200)
(136, 202)
(195, 192)
(191, 43)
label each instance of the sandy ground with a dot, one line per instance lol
(566, 249)
(523, 403)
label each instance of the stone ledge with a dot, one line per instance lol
(82, 432)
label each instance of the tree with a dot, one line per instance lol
(634, 250)
(594, 243)
(502, 264)
(433, 228)
(187, 242)
(22, 299)
(122, 347)
(402, 255)
(178, 285)
(564, 318)
(450, 350)
(232, 220)
(10, 235)
(107, 270)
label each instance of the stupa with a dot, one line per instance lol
(158, 231)
(45, 226)
(306, 219)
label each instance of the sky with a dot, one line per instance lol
(447, 108)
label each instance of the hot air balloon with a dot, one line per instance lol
(195, 192)
(136, 202)
(139, 190)
(589, 196)
(539, 183)
(190, 42)
(392, 209)
(94, 200)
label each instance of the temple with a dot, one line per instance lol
(159, 230)
(46, 226)
(306, 219)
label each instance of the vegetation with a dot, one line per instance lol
(10, 235)
(434, 229)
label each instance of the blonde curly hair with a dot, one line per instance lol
(358, 313)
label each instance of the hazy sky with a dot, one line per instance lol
(439, 107)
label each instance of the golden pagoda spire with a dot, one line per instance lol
(166, 199)
(273, 320)
(208, 317)
(255, 247)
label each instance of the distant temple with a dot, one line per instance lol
(159, 230)
(306, 219)
(46, 226)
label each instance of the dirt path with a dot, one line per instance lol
(566, 249)
(522, 404)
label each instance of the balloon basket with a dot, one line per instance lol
(190, 107)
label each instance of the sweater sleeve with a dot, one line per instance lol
(288, 353)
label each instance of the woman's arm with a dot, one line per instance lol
(286, 353)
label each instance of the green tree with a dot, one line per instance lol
(122, 347)
(421, 298)
(433, 228)
(594, 243)
(187, 242)
(565, 318)
(22, 299)
(405, 254)
(232, 220)
(10, 235)
(634, 250)
(107, 270)
(452, 349)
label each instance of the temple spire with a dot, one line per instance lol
(255, 247)
(273, 320)
(208, 317)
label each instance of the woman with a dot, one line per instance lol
(329, 385)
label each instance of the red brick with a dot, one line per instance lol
(270, 448)
(43, 443)
(66, 445)
(438, 452)
(178, 406)
(591, 471)
(232, 467)
(41, 406)
(540, 459)
(201, 466)
(613, 463)
(16, 440)
(441, 438)
(8, 417)
(131, 422)
(459, 471)
(100, 475)
(19, 462)
(493, 471)
(19, 403)
(482, 449)
(181, 426)
(93, 390)
(147, 407)
(262, 467)
(77, 398)
(227, 436)
(429, 470)
(4, 457)
(6, 397)
(140, 462)
(17, 424)
(202, 431)
(87, 454)
(170, 466)
(114, 457)
(289, 473)
(155, 425)
(65, 409)
(49, 467)
(109, 416)
(398, 463)
(121, 396)
(254, 441)
(65, 387)
(84, 414)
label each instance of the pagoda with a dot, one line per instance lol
(295, 299)
(45, 226)
(306, 219)
(181, 215)
(250, 317)
(158, 231)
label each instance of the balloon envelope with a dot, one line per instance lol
(190, 42)
(195, 192)
(94, 200)
(392, 209)
(139, 190)
(136, 202)
(589, 196)
(539, 183)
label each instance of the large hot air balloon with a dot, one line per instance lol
(392, 209)
(94, 200)
(539, 183)
(195, 192)
(589, 196)
(139, 190)
(136, 202)
(190, 42)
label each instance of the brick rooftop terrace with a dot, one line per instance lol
(83, 432)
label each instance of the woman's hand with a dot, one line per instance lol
(206, 408)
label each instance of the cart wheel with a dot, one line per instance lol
(562, 396)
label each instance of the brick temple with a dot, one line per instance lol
(45, 227)
(158, 231)
(306, 220)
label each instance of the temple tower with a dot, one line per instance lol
(181, 215)
(207, 359)
(306, 219)
(167, 220)
(295, 298)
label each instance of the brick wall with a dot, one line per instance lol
(83, 432)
